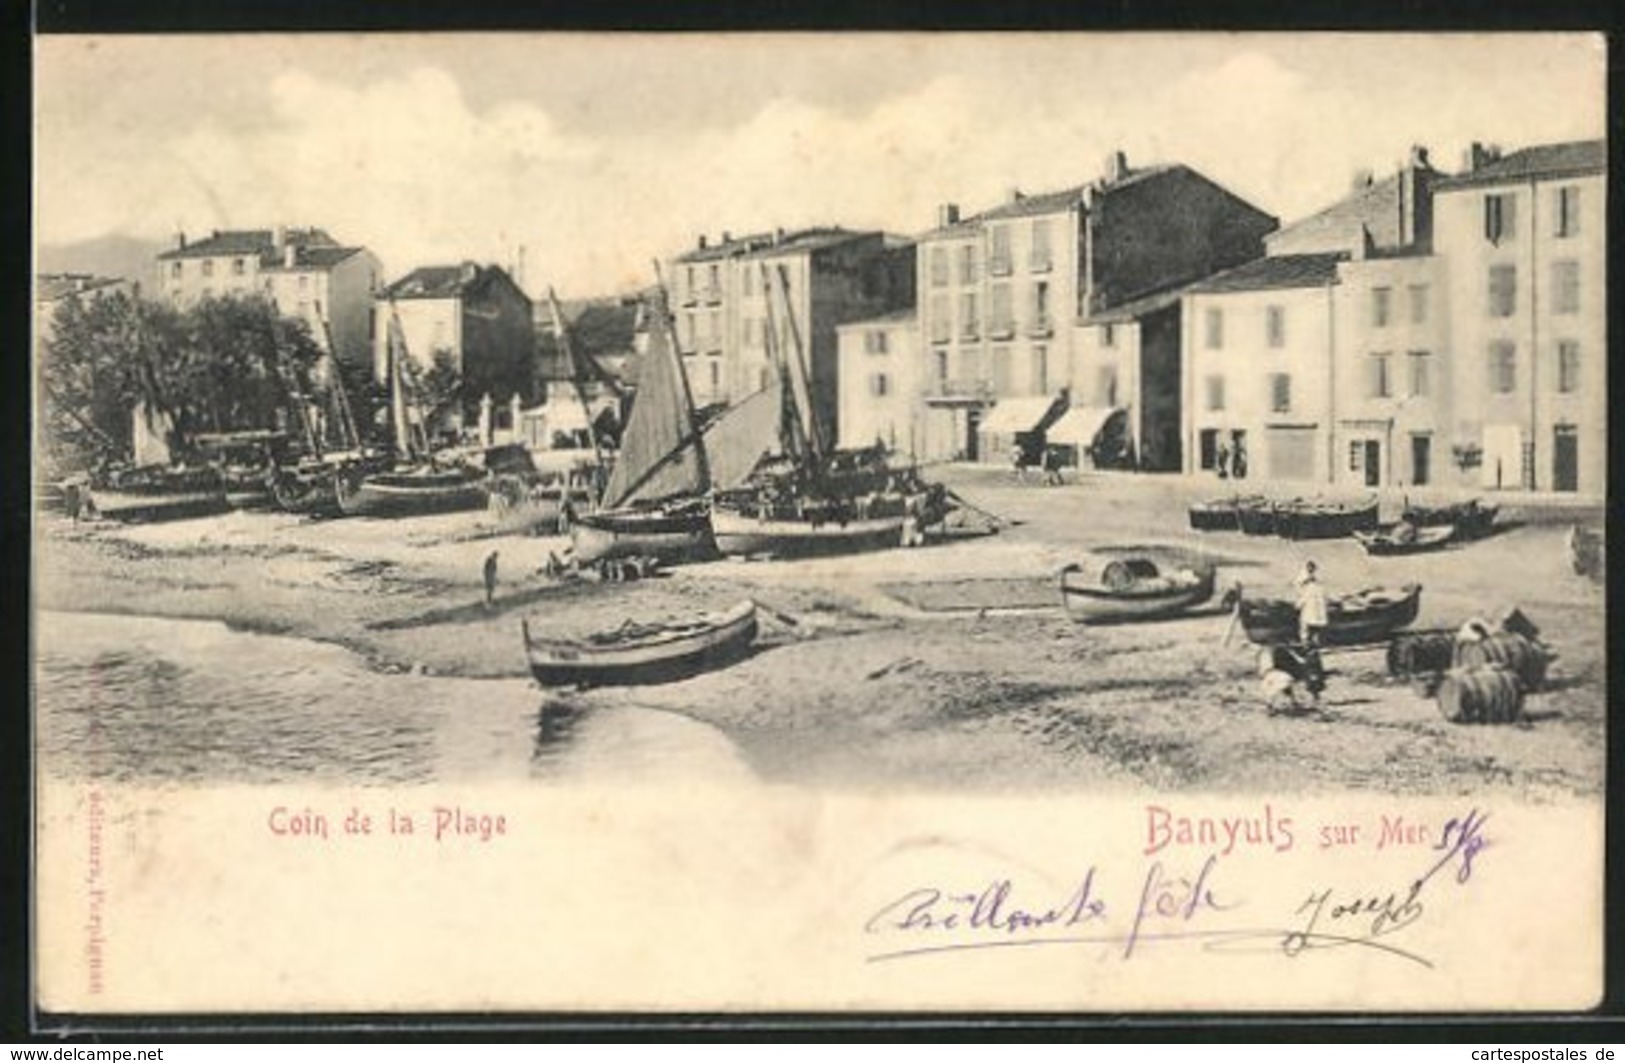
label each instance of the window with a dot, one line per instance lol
(1419, 303)
(1000, 357)
(208, 267)
(716, 376)
(1503, 367)
(1568, 366)
(942, 371)
(1041, 322)
(1001, 314)
(1419, 362)
(1566, 211)
(1214, 319)
(1209, 447)
(941, 327)
(1275, 326)
(1381, 386)
(967, 264)
(175, 270)
(1356, 455)
(238, 266)
(1500, 216)
(879, 385)
(689, 279)
(1280, 392)
(1566, 287)
(874, 342)
(714, 280)
(1040, 370)
(1039, 257)
(970, 326)
(939, 266)
(1108, 335)
(1382, 300)
(1215, 392)
(1503, 290)
(998, 262)
(1106, 386)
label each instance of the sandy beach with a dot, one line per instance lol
(951, 666)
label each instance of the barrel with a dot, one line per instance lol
(1481, 694)
(1417, 653)
(1522, 656)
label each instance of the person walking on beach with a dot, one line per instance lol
(1312, 621)
(490, 579)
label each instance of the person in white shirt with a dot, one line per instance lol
(1312, 624)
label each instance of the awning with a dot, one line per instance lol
(1025, 414)
(1081, 425)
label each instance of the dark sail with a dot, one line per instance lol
(660, 454)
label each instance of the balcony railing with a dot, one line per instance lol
(1001, 330)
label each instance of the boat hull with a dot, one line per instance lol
(402, 495)
(1273, 622)
(656, 533)
(1383, 544)
(1256, 519)
(1087, 602)
(1310, 522)
(739, 535)
(152, 506)
(663, 658)
(1214, 516)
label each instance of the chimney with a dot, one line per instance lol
(727, 237)
(1116, 166)
(1363, 245)
(1362, 180)
(180, 240)
(778, 236)
(469, 272)
(1481, 155)
(947, 214)
(702, 242)
(1419, 157)
(1015, 194)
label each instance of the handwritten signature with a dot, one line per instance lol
(1171, 907)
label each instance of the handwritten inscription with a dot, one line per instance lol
(1191, 902)
(440, 824)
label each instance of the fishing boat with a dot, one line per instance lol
(157, 492)
(1471, 519)
(653, 504)
(635, 654)
(1221, 514)
(1366, 616)
(416, 481)
(1256, 516)
(245, 461)
(1129, 588)
(1403, 539)
(1314, 519)
(804, 496)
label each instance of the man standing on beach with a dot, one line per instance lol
(490, 579)
(1312, 624)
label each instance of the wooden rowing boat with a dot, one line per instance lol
(636, 654)
(1308, 519)
(1392, 542)
(1366, 616)
(1130, 588)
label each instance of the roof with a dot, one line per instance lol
(1275, 271)
(261, 242)
(49, 287)
(1570, 159)
(436, 282)
(809, 240)
(726, 249)
(1022, 205)
(315, 258)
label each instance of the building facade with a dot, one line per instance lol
(803, 286)
(305, 272)
(881, 395)
(1060, 292)
(1524, 236)
(474, 316)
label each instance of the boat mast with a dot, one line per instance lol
(290, 386)
(396, 347)
(669, 322)
(335, 384)
(576, 380)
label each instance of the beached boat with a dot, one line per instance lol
(637, 653)
(155, 493)
(1221, 514)
(1312, 519)
(1366, 616)
(1256, 516)
(1120, 589)
(1471, 519)
(803, 496)
(653, 504)
(1395, 541)
(1588, 552)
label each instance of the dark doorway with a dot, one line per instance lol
(1421, 459)
(973, 432)
(1373, 463)
(1565, 459)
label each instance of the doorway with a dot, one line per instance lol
(973, 432)
(1421, 459)
(1565, 458)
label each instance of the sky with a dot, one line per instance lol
(597, 153)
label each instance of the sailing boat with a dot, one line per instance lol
(654, 503)
(810, 497)
(415, 483)
(332, 442)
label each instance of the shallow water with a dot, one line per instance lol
(138, 699)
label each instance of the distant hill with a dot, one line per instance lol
(105, 256)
